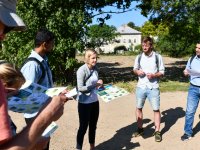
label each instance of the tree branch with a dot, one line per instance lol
(112, 12)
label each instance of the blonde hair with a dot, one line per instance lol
(10, 75)
(88, 53)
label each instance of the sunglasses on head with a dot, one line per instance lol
(9, 90)
(7, 29)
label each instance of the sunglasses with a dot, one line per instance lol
(7, 29)
(9, 90)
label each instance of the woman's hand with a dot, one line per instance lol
(99, 83)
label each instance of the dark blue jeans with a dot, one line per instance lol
(192, 104)
(88, 116)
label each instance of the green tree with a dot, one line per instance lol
(150, 29)
(98, 35)
(132, 25)
(68, 19)
(181, 18)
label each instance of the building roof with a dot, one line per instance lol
(124, 29)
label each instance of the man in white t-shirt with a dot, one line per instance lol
(149, 68)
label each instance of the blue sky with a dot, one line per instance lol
(123, 18)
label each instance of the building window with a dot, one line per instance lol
(129, 40)
(134, 40)
(124, 40)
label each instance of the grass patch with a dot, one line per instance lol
(170, 86)
(173, 86)
(129, 86)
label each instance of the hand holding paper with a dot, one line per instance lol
(72, 93)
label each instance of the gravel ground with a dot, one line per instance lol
(117, 120)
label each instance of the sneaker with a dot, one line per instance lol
(185, 137)
(139, 132)
(158, 137)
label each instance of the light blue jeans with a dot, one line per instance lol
(192, 104)
(153, 95)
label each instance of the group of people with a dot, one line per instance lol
(36, 69)
(11, 80)
(148, 66)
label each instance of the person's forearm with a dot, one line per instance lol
(27, 138)
(158, 75)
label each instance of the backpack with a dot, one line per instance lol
(41, 66)
(157, 60)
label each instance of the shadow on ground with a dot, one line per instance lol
(169, 117)
(112, 72)
(122, 139)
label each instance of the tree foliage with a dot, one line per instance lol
(182, 20)
(67, 19)
(98, 35)
(133, 26)
(149, 29)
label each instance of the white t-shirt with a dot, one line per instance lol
(148, 65)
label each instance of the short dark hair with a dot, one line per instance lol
(43, 35)
(147, 39)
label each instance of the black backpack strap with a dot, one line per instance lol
(139, 60)
(41, 66)
(157, 61)
(88, 77)
(191, 59)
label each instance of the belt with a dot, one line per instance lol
(195, 85)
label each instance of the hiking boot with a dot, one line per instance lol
(185, 137)
(139, 132)
(158, 137)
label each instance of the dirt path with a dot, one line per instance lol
(117, 120)
(117, 124)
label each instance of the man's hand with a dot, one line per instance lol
(150, 75)
(63, 94)
(140, 72)
(186, 73)
(41, 144)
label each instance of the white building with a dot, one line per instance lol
(128, 37)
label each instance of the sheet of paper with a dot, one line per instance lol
(50, 130)
(72, 93)
(55, 91)
(111, 92)
(31, 97)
